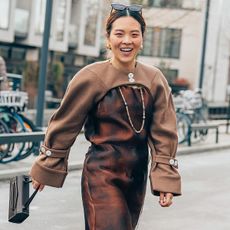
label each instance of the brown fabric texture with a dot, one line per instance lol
(115, 168)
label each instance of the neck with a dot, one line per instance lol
(125, 67)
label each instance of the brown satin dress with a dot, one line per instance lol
(115, 168)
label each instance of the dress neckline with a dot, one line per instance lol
(131, 76)
(123, 71)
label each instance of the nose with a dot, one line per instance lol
(127, 39)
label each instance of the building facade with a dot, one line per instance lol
(217, 61)
(174, 38)
(173, 41)
(74, 37)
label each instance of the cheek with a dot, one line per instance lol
(115, 43)
(138, 44)
(140, 41)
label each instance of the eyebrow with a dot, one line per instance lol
(120, 30)
(136, 31)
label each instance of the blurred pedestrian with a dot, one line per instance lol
(126, 106)
(3, 76)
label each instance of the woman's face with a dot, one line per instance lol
(125, 40)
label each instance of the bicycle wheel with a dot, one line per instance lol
(199, 117)
(4, 148)
(30, 147)
(183, 123)
(14, 126)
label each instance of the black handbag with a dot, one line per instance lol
(19, 199)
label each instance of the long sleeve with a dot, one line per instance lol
(163, 140)
(51, 166)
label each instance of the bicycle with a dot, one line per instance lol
(190, 108)
(12, 104)
(5, 148)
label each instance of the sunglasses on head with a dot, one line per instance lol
(121, 7)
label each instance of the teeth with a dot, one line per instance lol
(126, 49)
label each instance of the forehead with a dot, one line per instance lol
(126, 23)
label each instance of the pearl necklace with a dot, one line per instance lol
(128, 114)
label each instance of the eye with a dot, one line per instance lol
(119, 34)
(135, 35)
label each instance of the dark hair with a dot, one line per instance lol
(122, 13)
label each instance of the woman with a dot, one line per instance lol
(125, 105)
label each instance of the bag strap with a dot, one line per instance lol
(31, 197)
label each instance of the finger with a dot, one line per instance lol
(169, 196)
(166, 204)
(168, 200)
(165, 199)
(37, 185)
(161, 198)
(41, 187)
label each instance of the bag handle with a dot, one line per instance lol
(31, 197)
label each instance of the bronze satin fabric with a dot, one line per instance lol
(115, 168)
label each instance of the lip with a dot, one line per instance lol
(126, 49)
(126, 52)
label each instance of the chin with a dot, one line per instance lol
(127, 60)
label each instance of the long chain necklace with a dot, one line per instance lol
(128, 114)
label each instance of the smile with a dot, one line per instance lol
(126, 49)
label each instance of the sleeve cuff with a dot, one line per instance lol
(164, 178)
(47, 176)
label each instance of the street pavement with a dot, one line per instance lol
(204, 204)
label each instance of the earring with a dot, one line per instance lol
(141, 48)
(108, 46)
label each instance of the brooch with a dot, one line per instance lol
(131, 77)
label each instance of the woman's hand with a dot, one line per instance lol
(36, 185)
(165, 199)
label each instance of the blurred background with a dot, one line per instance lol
(187, 39)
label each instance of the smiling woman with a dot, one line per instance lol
(125, 41)
(126, 107)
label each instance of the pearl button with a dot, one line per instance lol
(43, 149)
(130, 75)
(173, 162)
(131, 80)
(48, 153)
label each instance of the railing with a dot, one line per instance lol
(29, 143)
(8, 138)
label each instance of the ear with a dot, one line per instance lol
(106, 35)
(108, 46)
